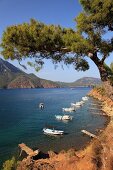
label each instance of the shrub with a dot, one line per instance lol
(101, 90)
(10, 164)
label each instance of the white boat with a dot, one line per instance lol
(85, 98)
(59, 117)
(77, 104)
(41, 105)
(52, 131)
(82, 102)
(67, 117)
(73, 104)
(64, 117)
(70, 109)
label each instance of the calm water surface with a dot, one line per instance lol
(22, 121)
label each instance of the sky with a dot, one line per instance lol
(56, 12)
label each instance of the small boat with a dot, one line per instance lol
(41, 105)
(85, 98)
(77, 104)
(67, 117)
(59, 117)
(72, 88)
(70, 109)
(64, 117)
(52, 131)
(73, 104)
(82, 102)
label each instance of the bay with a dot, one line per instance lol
(21, 120)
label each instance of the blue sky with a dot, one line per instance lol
(56, 12)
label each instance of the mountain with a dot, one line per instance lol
(8, 72)
(85, 81)
(12, 77)
(6, 66)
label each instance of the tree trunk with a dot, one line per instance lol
(104, 74)
(106, 81)
(108, 88)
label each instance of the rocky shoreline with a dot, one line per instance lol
(107, 103)
(98, 155)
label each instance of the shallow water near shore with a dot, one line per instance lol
(22, 121)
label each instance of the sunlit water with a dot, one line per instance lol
(22, 121)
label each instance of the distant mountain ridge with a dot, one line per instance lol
(85, 81)
(13, 77)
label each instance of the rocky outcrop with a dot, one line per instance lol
(107, 103)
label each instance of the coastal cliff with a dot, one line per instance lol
(98, 155)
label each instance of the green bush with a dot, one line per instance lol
(101, 90)
(10, 164)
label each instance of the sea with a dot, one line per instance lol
(22, 121)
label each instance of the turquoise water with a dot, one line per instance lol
(22, 121)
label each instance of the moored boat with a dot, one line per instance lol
(67, 117)
(85, 98)
(64, 117)
(41, 105)
(59, 117)
(70, 109)
(77, 104)
(52, 131)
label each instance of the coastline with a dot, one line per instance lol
(107, 103)
(96, 155)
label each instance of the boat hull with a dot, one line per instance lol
(64, 117)
(52, 132)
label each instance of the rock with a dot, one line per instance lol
(51, 154)
(71, 152)
(45, 166)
